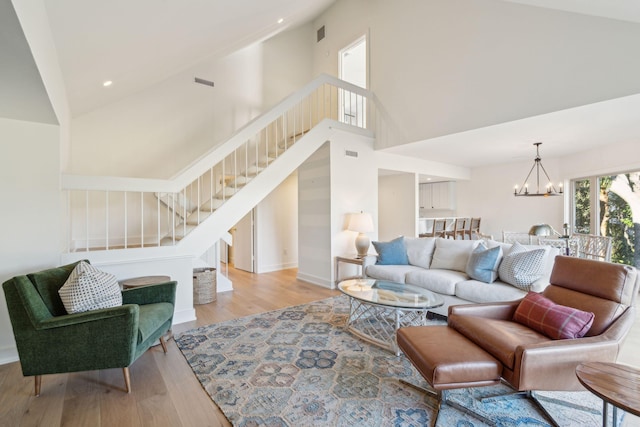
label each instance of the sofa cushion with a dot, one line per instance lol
(501, 338)
(392, 252)
(420, 250)
(554, 320)
(480, 292)
(440, 281)
(392, 273)
(452, 254)
(521, 267)
(483, 263)
(88, 288)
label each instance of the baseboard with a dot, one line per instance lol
(276, 267)
(315, 280)
(184, 316)
(8, 355)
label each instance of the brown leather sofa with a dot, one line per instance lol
(525, 359)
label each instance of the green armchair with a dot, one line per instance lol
(51, 341)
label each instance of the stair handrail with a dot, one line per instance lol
(215, 154)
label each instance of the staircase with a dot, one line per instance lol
(194, 209)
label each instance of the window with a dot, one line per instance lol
(609, 205)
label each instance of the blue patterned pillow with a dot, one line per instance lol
(483, 263)
(391, 253)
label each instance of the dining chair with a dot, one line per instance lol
(591, 246)
(516, 236)
(458, 229)
(439, 228)
(474, 228)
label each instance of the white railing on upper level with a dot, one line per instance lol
(115, 212)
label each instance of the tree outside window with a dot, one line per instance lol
(617, 212)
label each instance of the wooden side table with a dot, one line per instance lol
(615, 384)
(135, 282)
(348, 260)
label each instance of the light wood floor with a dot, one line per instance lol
(165, 391)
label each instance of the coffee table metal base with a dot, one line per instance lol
(378, 324)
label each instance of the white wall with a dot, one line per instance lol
(157, 132)
(277, 228)
(612, 158)
(445, 66)
(489, 195)
(354, 188)
(30, 183)
(314, 218)
(287, 63)
(398, 205)
(331, 185)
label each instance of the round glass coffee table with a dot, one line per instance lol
(378, 308)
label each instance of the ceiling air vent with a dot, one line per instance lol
(204, 82)
(320, 33)
(350, 153)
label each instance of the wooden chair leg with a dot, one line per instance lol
(163, 344)
(38, 384)
(127, 379)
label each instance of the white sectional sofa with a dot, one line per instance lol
(443, 266)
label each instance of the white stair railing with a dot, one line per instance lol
(119, 213)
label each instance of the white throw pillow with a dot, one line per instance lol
(452, 254)
(88, 288)
(420, 250)
(521, 267)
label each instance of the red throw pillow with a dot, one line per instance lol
(554, 320)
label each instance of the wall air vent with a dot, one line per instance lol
(320, 33)
(204, 82)
(350, 153)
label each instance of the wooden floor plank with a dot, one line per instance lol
(46, 409)
(81, 405)
(152, 395)
(114, 395)
(15, 399)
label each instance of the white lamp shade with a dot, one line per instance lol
(360, 222)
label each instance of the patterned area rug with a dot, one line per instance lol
(299, 367)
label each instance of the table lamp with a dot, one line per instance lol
(361, 223)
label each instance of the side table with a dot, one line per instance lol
(615, 384)
(135, 282)
(348, 260)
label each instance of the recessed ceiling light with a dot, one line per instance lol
(280, 21)
(107, 83)
(428, 179)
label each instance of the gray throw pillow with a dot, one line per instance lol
(521, 268)
(88, 288)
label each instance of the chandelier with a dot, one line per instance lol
(549, 189)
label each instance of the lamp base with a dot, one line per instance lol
(362, 245)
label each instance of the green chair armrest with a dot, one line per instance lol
(151, 294)
(129, 310)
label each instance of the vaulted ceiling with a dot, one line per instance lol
(140, 43)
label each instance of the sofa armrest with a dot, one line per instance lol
(498, 310)
(151, 294)
(367, 261)
(538, 372)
